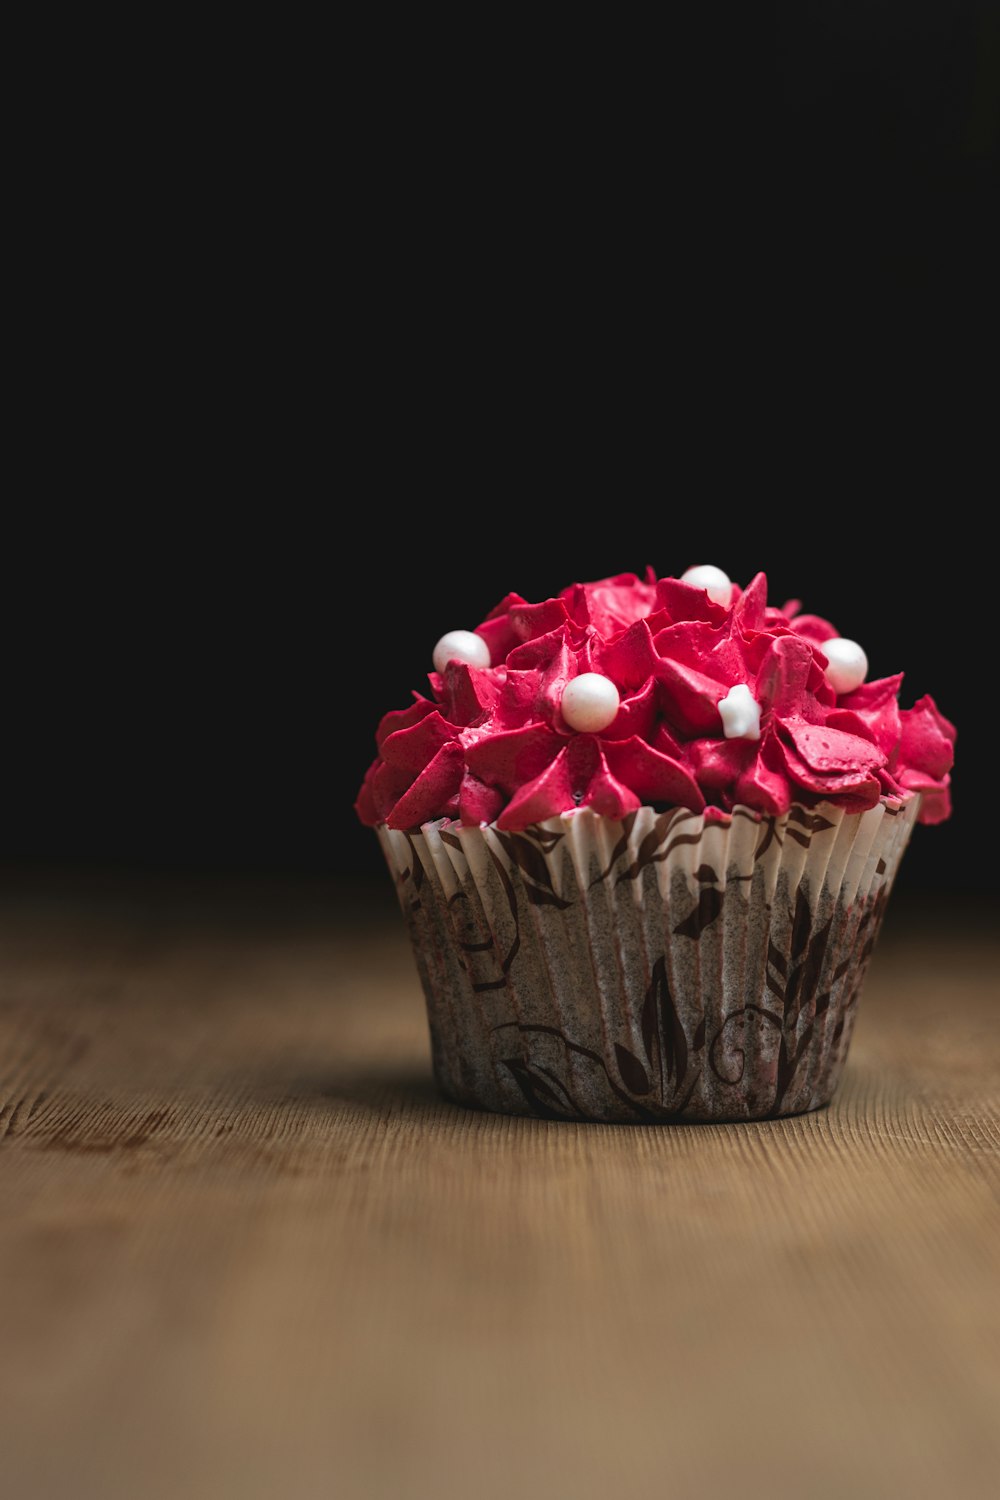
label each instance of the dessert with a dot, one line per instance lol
(643, 833)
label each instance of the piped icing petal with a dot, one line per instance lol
(578, 777)
(717, 765)
(790, 679)
(411, 749)
(829, 764)
(831, 752)
(545, 796)
(629, 658)
(465, 692)
(653, 777)
(436, 786)
(612, 604)
(636, 715)
(765, 785)
(690, 699)
(477, 802)
(876, 703)
(498, 631)
(365, 806)
(750, 609)
(935, 796)
(512, 757)
(683, 601)
(403, 718)
(927, 743)
(608, 796)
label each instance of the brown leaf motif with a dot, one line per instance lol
(649, 851)
(628, 823)
(794, 979)
(534, 867)
(545, 838)
(710, 902)
(505, 963)
(801, 925)
(540, 895)
(769, 835)
(662, 1032)
(545, 1093)
(633, 1073)
(815, 822)
(805, 979)
(550, 1096)
(811, 822)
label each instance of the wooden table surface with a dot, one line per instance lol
(247, 1251)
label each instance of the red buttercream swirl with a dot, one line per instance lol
(491, 745)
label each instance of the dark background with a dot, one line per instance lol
(219, 714)
(366, 384)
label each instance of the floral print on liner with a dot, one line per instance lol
(660, 968)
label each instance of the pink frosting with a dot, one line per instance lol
(491, 745)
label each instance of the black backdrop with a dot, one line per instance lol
(216, 711)
(511, 348)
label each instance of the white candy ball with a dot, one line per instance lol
(590, 703)
(848, 664)
(740, 714)
(716, 584)
(461, 645)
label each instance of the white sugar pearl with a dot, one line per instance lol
(848, 664)
(461, 645)
(715, 583)
(590, 703)
(740, 714)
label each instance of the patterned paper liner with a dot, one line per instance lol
(654, 969)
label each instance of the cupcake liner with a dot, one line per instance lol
(664, 967)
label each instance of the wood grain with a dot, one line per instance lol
(247, 1251)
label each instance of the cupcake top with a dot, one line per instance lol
(674, 692)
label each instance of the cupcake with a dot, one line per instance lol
(643, 834)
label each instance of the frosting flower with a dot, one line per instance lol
(717, 706)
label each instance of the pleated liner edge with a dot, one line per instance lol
(660, 968)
